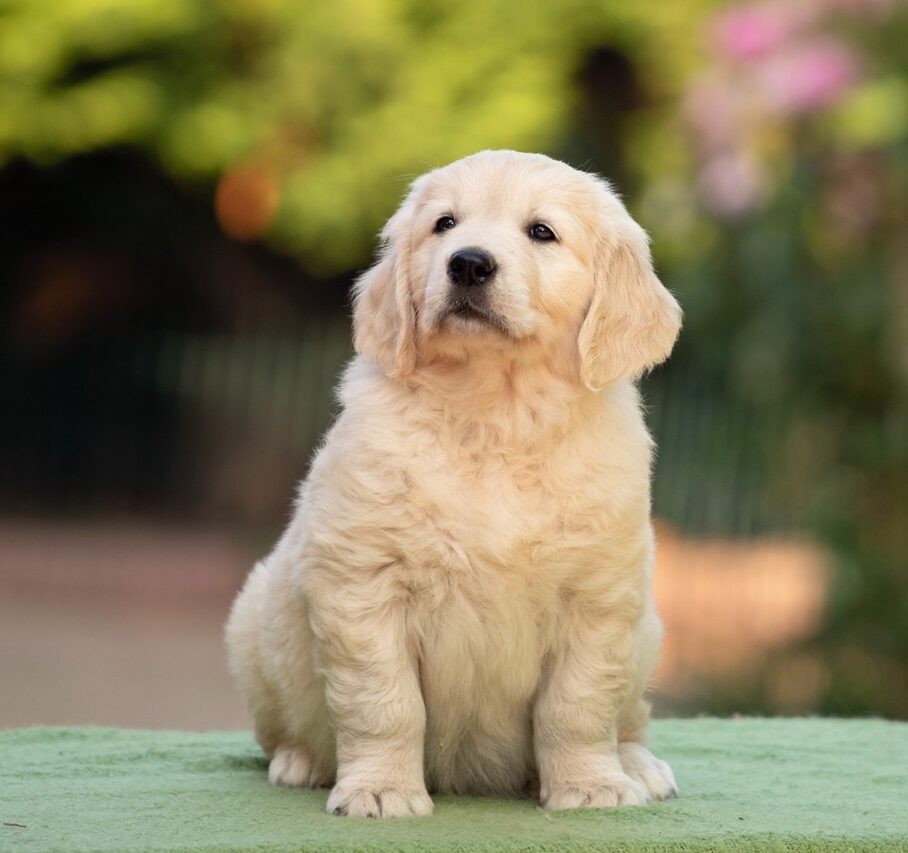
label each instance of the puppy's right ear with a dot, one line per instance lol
(384, 316)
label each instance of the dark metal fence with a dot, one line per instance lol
(147, 423)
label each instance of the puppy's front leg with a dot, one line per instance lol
(576, 715)
(373, 692)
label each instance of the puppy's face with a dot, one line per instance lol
(501, 252)
(512, 253)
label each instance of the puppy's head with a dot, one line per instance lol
(514, 254)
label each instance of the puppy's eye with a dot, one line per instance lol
(542, 233)
(446, 223)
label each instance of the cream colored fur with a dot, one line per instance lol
(462, 601)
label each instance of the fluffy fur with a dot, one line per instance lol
(462, 602)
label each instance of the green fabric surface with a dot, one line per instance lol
(746, 784)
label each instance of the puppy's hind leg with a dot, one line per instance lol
(243, 633)
(284, 697)
(292, 766)
(638, 762)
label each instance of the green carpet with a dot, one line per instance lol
(747, 784)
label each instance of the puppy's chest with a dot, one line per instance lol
(485, 594)
(508, 524)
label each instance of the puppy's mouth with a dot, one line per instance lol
(473, 313)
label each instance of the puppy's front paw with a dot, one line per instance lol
(643, 767)
(292, 767)
(378, 801)
(616, 790)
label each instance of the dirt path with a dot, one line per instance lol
(122, 624)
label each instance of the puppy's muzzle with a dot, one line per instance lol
(471, 267)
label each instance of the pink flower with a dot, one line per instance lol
(810, 75)
(751, 31)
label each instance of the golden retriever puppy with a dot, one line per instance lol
(462, 602)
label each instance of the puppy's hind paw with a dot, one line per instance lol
(378, 801)
(643, 767)
(292, 768)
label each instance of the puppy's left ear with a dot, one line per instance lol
(633, 321)
(384, 316)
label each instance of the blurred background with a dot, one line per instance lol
(188, 187)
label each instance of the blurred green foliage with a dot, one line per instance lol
(338, 103)
(764, 145)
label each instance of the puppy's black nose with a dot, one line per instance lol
(471, 267)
